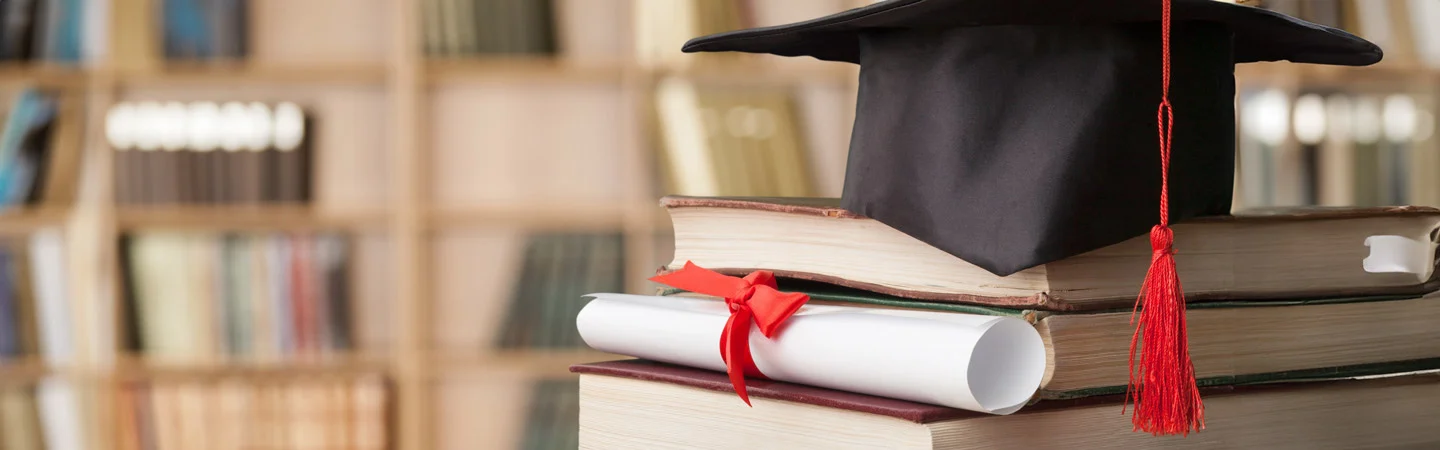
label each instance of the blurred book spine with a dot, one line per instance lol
(210, 153)
(303, 413)
(203, 297)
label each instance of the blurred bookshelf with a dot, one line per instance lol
(469, 166)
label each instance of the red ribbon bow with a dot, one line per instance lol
(753, 298)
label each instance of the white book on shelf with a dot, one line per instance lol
(47, 260)
(60, 415)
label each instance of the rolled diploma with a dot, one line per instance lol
(979, 363)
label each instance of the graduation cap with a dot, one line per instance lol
(1015, 133)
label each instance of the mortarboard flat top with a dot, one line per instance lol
(1260, 34)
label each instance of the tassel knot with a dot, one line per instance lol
(1162, 240)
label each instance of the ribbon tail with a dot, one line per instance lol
(700, 280)
(735, 350)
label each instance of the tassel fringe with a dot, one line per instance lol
(1162, 378)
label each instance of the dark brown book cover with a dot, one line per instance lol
(247, 177)
(187, 175)
(292, 170)
(125, 177)
(919, 412)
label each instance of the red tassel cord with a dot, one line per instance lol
(1162, 379)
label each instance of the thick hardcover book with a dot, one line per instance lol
(1281, 254)
(637, 404)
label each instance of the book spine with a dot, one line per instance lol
(280, 293)
(302, 295)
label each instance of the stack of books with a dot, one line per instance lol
(1306, 328)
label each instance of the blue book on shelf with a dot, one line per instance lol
(32, 110)
(187, 32)
(67, 33)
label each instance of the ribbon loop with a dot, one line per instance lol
(752, 299)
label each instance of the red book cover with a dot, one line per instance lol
(302, 295)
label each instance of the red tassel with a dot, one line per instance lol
(1167, 400)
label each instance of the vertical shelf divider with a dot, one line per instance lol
(404, 86)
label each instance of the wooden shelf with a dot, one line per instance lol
(510, 69)
(593, 216)
(513, 69)
(531, 363)
(135, 368)
(259, 217)
(20, 221)
(22, 371)
(239, 72)
(43, 74)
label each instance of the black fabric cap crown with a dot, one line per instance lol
(1016, 133)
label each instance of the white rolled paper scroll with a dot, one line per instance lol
(974, 362)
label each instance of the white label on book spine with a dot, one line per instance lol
(1399, 254)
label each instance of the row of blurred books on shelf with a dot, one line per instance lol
(1404, 28)
(1336, 149)
(557, 269)
(304, 413)
(721, 140)
(198, 297)
(40, 416)
(62, 31)
(210, 153)
(488, 27)
(593, 29)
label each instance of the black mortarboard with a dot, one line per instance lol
(1019, 132)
